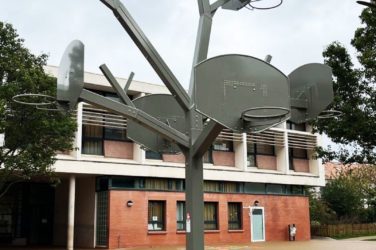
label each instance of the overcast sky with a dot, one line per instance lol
(296, 33)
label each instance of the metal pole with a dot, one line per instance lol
(71, 204)
(194, 177)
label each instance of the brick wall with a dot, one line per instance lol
(301, 165)
(177, 158)
(222, 158)
(128, 225)
(266, 162)
(118, 149)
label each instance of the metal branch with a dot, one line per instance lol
(112, 80)
(206, 138)
(149, 52)
(136, 115)
(129, 81)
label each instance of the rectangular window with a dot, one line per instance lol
(156, 184)
(222, 145)
(211, 216)
(153, 155)
(234, 215)
(254, 188)
(115, 134)
(208, 156)
(275, 189)
(180, 215)
(92, 140)
(102, 222)
(297, 127)
(156, 215)
(251, 155)
(212, 186)
(258, 149)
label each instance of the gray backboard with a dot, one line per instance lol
(229, 85)
(70, 79)
(165, 108)
(311, 91)
(235, 4)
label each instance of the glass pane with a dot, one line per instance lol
(210, 216)
(299, 153)
(275, 189)
(263, 149)
(234, 216)
(102, 230)
(180, 215)
(221, 145)
(115, 134)
(254, 188)
(211, 186)
(156, 184)
(153, 155)
(156, 215)
(229, 187)
(251, 160)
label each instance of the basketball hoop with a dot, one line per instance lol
(251, 5)
(39, 101)
(260, 118)
(328, 114)
(264, 113)
(34, 99)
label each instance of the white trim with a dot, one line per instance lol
(263, 223)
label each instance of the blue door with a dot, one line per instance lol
(257, 225)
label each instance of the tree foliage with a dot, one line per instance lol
(349, 197)
(355, 97)
(32, 136)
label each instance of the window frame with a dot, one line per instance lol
(156, 222)
(216, 214)
(239, 219)
(181, 222)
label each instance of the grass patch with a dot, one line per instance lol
(370, 240)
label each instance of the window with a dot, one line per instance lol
(208, 156)
(296, 153)
(257, 149)
(211, 216)
(92, 140)
(234, 215)
(156, 184)
(254, 188)
(115, 134)
(294, 126)
(180, 215)
(275, 189)
(212, 186)
(153, 155)
(221, 145)
(102, 220)
(156, 216)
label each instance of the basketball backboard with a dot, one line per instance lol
(235, 4)
(70, 81)
(165, 108)
(241, 92)
(311, 91)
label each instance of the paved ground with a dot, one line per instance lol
(361, 243)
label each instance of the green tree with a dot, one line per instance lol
(343, 195)
(32, 136)
(355, 97)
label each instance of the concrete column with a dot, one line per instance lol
(71, 202)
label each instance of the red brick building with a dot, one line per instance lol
(118, 195)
